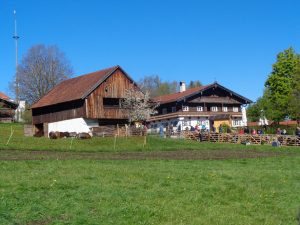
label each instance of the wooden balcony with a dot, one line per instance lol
(193, 114)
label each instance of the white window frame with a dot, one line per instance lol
(235, 109)
(173, 108)
(214, 108)
(186, 123)
(199, 108)
(225, 109)
(185, 108)
(237, 123)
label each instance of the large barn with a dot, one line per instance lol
(77, 104)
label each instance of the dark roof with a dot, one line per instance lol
(8, 100)
(178, 96)
(76, 88)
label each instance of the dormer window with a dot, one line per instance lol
(214, 109)
(199, 108)
(185, 108)
(235, 109)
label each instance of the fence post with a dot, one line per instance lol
(115, 141)
(11, 134)
(72, 138)
(145, 141)
(260, 139)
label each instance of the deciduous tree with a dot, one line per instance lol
(156, 87)
(295, 95)
(194, 84)
(279, 84)
(41, 69)
(138, 105)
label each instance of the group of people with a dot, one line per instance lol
(245, 130)
(281, 132)
(297, 133)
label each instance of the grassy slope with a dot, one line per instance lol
(252, 191)
(18, 141)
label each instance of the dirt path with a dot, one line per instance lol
(166, 155)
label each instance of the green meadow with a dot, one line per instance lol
(110, 144)
(262, 190)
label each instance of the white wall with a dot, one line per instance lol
(19, 111)
(244, 116)
(184, 122)
(77, 125)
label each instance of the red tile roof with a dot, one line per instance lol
(178, 95)
(4, 96)
(75, 88)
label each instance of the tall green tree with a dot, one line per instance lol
(295, 95)
(254, 111)
(279, 84)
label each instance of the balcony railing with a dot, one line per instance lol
(192, 114)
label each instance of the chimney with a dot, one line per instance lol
(182, 86)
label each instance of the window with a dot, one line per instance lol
(111, 102)
(214, 108)
(225, 109)
(186, 123)
(235, 109)
(185, 108)
(237, 123)
(173, 109)
(199, 108)
(164, 111)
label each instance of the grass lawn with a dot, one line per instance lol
(154, 143)
(75, 185)
(245, 191)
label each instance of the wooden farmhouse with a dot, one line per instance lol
(7, 108)
(77, 104)
(205, 106)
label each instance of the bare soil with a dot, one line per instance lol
(153, 155)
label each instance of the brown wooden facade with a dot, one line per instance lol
(100, 101)
(104, 102)
(7, 110)
(211, 102)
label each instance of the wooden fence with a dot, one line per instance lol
(118, 130)
(285, 140)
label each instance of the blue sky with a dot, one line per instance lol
(233, 42)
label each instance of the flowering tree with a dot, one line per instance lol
(138, 105)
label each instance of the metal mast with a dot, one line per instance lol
(16, 37)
